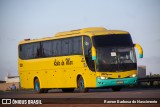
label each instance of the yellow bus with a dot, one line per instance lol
(79, 59)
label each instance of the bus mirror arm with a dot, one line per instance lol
(93, 53)
(140, 50)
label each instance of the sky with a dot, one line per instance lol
(21, 19)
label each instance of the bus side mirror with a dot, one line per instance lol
(140, 50)
(93, 53)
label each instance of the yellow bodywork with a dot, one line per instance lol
(53, 74)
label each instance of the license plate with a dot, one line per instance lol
(120, 82)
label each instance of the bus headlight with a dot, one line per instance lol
(134, 75)
(101, 77)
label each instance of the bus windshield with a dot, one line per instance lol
(114, 53)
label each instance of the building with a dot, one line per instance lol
(11, 79)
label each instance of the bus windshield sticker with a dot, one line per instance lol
(113, 53)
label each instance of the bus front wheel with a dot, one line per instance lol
(37, 86)
(81, 85)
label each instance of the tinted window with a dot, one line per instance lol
(67, 46)
(36, 50)
(87, 45)
(88, 53)
(77, 45)
(21, 51)
(70, 46)
(26, 51)
(112, 40)
(29, 51)
(56, 47)
(47, 48)
(59, 47)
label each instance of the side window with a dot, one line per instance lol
(77, 45)
(56, 47)
(70, 46)
(87, 45)
(36, 50)
(47, 48)
(21, 52)
(88, 53)
(25, 51)
(28, 52)
(67, 46)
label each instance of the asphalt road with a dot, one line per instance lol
(93, 93)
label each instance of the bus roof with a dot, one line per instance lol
(93, 30)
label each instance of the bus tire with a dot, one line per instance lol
(68, 89)
(37, 86)
(81, 85)
(116, 88)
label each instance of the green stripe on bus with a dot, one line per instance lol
(115, 82)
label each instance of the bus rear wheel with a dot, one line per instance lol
(81, 85)
(37, 86)
(116, 88)
(68, 89)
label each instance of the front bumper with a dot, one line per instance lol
(115, 82)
